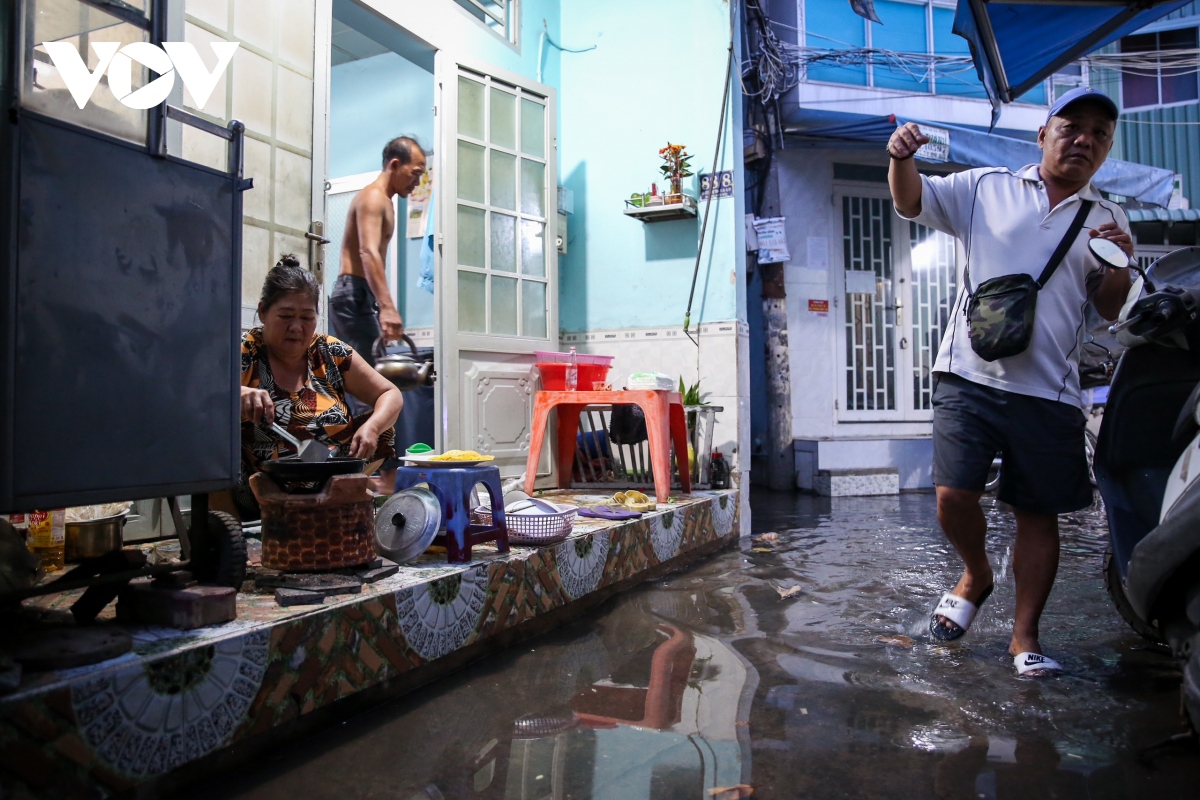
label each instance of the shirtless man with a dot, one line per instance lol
(361, 304)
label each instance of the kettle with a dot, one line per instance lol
(402, 369)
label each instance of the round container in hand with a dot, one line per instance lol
(94, 537)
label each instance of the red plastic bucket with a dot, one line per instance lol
(554, 376)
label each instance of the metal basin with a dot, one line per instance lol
(94, 537)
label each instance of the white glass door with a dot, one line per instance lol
(497, 280)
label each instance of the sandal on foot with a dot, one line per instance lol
(1035, 665)
(959, 610)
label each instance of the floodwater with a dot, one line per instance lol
(713, 678)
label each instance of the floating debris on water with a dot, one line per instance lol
(791, 591)
(898, 640)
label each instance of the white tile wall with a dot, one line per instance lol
(269, 87)
(668, 350)
(256, 203)
(252, 90)
(292, 183)
(256, 260)
(214, 12)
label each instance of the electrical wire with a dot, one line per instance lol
(712, 190)
(777, 66)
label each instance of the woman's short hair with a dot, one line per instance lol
(288, 277)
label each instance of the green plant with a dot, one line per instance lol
(691, 397)
(676, 162)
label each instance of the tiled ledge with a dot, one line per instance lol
(182, 699)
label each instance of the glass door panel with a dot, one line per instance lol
(502, 191)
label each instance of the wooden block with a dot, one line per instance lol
(298, 597)
(183, 609)
(372, 575)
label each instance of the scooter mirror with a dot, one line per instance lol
(1109, 252)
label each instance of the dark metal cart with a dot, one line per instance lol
(120, 293)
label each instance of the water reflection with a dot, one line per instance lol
(724, 675)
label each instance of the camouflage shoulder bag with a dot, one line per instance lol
(1001, 311)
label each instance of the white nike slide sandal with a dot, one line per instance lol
(958, 610)
(1037, 663)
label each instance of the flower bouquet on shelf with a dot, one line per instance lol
(676, 166)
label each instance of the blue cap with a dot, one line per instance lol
(1083, 93)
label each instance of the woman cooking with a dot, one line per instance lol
(299, 379)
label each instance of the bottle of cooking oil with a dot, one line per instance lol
(48, 538)
(20, 523)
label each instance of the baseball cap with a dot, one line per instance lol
(1083, 93)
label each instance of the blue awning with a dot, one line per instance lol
(1018, 44)
(977, 148)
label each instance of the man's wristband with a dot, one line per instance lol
(888, 148)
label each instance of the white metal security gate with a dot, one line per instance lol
(890, 265)
(497, 280)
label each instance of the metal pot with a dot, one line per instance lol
(94, 537)
(403, 370)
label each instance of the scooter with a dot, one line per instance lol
(1147, 461)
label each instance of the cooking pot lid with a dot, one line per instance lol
(407, 523)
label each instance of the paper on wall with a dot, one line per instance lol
(418, 206)
(772, 240)
(818, 253)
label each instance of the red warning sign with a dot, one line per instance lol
(818, 306)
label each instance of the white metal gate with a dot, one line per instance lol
(890, 265)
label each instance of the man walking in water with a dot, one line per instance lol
(361, 305)
(1005, 383)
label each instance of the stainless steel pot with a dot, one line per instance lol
(95, 537)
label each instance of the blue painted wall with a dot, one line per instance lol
(619, 104)
(372, 101)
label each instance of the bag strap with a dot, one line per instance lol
(1068, 239)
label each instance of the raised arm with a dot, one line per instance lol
(903, 178)
(371, 217)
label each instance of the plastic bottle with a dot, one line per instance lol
(573, 372)
(48, 538)
(20, 522)
(718, 471)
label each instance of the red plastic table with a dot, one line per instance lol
(666, 423)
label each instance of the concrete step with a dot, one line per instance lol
(858, 482)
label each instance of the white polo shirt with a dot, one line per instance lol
(1006, 225)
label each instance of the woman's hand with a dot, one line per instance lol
(365, 440)
(1113, 232)
(257, 406)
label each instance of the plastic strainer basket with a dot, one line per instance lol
(534, 529)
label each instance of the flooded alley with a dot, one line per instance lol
(795, 664)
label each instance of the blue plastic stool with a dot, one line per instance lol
(453, 485)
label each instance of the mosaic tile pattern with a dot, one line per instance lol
(181, 695)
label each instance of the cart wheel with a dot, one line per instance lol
(1116, 591)
(219, 551)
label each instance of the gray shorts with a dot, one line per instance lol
(1041, 442)
(354, 317)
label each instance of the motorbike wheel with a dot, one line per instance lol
(1191, 682)
(219, 552)
(1089, 446)
(1116, 590)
